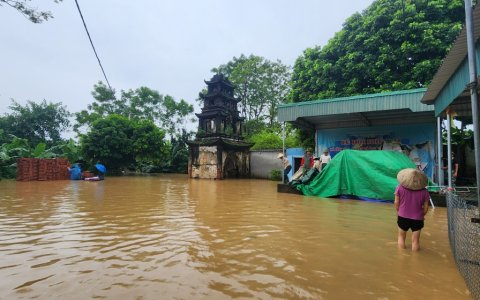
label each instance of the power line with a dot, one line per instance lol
(91, 42)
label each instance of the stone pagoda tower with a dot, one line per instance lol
(219, 152)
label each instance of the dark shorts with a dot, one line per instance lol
(405, 224)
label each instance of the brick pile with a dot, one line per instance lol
(62, 165)
(29, 169)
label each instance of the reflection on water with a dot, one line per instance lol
(169, 237)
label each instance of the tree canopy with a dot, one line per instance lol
(119, 142)
(36, 122)
(260, 85)
(392, 45)
(138, 104)
(31, 13)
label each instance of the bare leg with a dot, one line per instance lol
(416, 240)
(401, 238)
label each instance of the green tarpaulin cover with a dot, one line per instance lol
(369, 173)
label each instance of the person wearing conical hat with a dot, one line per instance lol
(286, 166)
(411, 202)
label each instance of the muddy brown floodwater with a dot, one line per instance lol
(170, 237)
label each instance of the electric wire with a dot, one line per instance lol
(93, 47)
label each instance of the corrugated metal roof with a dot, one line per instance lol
(445, 84)
(400, 100)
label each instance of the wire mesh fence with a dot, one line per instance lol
(464, 236)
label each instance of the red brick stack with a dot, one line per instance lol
(62, 169)
(29, 169)
(43, 170)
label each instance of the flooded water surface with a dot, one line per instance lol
(170, 237)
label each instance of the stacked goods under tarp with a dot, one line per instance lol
(29, 169)
(365, 174)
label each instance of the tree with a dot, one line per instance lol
(392, 45)
(260, 84)
(141, 103)
(36, 122)
(119, 142)
(178, 162)
(9, 153)
(34, 15)
(272, 139)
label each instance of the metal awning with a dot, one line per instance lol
(400, 107)
(451, 79)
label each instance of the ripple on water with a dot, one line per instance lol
(170, 237)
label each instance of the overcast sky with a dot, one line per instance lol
(169, 46)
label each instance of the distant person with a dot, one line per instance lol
(286, 166)
(307, 161)
(75, 172)
(454, 169)
(411, 202)
(316, 163)
(325, 158)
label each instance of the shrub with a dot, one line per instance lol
(276, 175)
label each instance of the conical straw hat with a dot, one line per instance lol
(280, 155)
(412, 179)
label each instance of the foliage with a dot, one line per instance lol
(34, 15)
(392, 45)
(9, 152)
(141, 103)
(276, 175)
(253, 127)
(307, 138)
(260, 85)
(272, 140)
(119, 142)
(71, 151)
(18, 148)
(36, 122)
(459, 136)
(178, 162)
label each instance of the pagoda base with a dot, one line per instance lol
(219, 159)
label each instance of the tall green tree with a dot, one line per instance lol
(141, 103)
(119, 142)
(392, 45)
(31, 13)
(36, 122)
(260, 85)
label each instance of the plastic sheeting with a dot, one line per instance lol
(364, 174)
